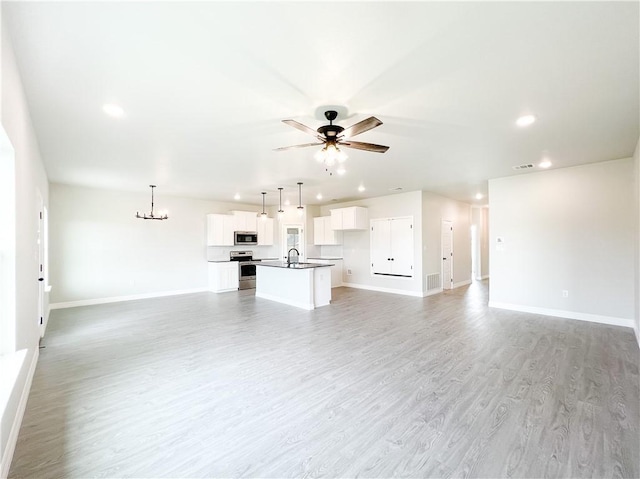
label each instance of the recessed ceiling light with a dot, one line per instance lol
(341, 170)
(319, 196)
(236, 196)
(545, 163)
(113, 110)
(361, 188)
(526, 120)
(479, 196)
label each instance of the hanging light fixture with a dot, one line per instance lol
(280, 210)
(263, 215)
(300, 207)
(151, 216)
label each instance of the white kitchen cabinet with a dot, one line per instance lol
(220, 230)
(265, 232)
(336, 270)
(323, 233)
(245, 220)
(392, 246)
(223, 276)
(351, 218)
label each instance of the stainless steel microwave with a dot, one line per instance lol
(245, 238)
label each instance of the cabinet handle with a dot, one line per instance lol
(392, 259)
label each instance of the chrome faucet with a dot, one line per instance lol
(289, 256)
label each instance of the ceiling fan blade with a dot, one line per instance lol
(358, 145)
(297, 146)
(299, 126)
(361, 127)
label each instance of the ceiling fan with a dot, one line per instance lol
(334, 136)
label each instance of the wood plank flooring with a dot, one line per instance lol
(374, 385)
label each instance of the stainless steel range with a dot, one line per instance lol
(246, 268)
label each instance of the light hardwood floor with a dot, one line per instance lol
(374, 385)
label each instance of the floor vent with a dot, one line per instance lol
(433, 281)
(523, 167)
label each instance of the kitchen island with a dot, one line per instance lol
(304, 285)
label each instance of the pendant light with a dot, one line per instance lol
(151, 216)
(300, 207)
(280, 210)
(263, 215)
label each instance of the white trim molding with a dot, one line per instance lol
(559, 313)
(418, 294)
(431, 292)
(117, 299)
(12, 439)
(461, 283)
(297, 304)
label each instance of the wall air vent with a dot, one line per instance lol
(526, 166)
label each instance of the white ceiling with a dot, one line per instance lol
(205, 86)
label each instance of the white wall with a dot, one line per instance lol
(567, 229)
(436, 209)
(30, 177)
(99, 249)
(356, 244)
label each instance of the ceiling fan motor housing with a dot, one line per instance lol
(330, 131)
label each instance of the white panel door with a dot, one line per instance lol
(381, 246)
(447, 255)
(401, 230)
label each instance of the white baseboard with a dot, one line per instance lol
(278, 299)
(418, 294)
(12, 440)
(461, 283)
(559, 313)
(117, 299)
(637, 331)
(432, 292)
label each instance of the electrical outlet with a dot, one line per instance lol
(565, 293)
(348, 272)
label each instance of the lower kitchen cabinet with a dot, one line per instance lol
(223, 276)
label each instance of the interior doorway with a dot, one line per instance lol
(475, 254)
(293, 237)
(447, 254)
(41, 242)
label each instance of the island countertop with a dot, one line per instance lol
(283, 264)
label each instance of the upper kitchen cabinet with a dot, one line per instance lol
(265, 232)
(245, 220)
(351, 218)
(392, 246)
(220, 230)
(323, 233)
